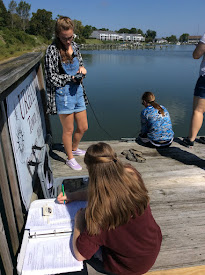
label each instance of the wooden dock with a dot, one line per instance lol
(175, 178)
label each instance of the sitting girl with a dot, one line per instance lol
(156, 126)
(117, 222)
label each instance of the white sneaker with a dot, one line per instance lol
(72, 163)
(78, 152)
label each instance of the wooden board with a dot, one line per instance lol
(12, 70)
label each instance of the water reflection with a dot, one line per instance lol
(88, 58)
(117, 79)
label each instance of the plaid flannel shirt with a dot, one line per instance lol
(55, 75)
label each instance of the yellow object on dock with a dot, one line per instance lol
(197, 270)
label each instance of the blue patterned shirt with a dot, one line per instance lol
(156, 126)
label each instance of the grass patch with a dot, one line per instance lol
(14, 43)
(94, 41)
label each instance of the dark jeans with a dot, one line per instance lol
(95, 263)
(153, 144)
(98, 266)
(200, 87)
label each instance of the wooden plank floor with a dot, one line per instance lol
(175, 178)
(198, 270)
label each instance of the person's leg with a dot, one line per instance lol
(67, 121)
(82, 126)
(197, 117)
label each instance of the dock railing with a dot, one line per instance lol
(21, 79)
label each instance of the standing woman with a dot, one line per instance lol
(156, 126)
(65, 94)
(199, 96)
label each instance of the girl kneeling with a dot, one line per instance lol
(117, 219)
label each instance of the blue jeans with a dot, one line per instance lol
(70, 99)
(200, 87)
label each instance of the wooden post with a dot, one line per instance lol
(8, 154)
(8, 203)
(4, 250)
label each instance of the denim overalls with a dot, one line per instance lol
(70, 99)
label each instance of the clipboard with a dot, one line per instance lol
(47, 242)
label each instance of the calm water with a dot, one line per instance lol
(117, 79)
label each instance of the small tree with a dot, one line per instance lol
(104, 29)
(87, 30)
(171, 39)
(140, 32)
(124, 30)
(133, 30)
(12, 10)
(4, 15)
(41, 23)
(22, 10)
(184, 37)
(150, 35)
(78, 28)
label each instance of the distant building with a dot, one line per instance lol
(161, 41)
(194, 39)
(114, 36)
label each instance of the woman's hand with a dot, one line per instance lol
(62, 198)
(82, 70)
(72, 196)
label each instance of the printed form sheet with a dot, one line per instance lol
(50, 255)
(62, 218)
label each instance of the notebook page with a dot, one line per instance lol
(61, 219)
(50, 255)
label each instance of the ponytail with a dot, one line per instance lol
(150, 98)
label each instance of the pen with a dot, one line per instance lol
(63, 191)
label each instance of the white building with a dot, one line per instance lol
(161, 41)
(194, 39)
(114, 36)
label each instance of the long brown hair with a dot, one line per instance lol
(114, 195)
(63, 23)
(150, 98)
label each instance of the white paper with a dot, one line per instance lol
(50, 255)
(61, 220)
(49, 252)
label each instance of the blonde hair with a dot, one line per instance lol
(149, 97)
(63, 23)
(114, 194)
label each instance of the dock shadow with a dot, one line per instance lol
(182, 156)
(176, 153)
(200, 140)
(57, 147)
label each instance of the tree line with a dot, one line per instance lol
(41, 22)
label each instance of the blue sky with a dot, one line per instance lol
(166, 17)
